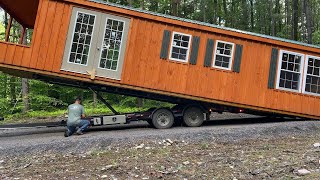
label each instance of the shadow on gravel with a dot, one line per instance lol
(256, 120)
(137, 125)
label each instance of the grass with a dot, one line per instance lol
(38, 116)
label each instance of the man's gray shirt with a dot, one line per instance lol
(74, 114)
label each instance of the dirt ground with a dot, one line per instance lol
(267, 158)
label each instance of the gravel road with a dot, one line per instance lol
(224, 128)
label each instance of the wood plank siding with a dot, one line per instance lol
(144, 70)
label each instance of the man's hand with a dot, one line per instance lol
(83, 115)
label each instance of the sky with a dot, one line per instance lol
(1, 14)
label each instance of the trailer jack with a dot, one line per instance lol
(108, 119)
(104, 102)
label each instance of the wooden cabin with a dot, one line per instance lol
(105, 44)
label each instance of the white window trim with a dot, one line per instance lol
(188, 49)
(75, 22)
(279, 70)
(215, 55)
(305, 75)
(104, 32)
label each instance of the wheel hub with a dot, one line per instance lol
(163, 119)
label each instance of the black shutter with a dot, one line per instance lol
(273, 68)
(165, 44)
(209, 51)
(237, 58)
(194, 50)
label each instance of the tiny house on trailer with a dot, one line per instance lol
(135, 52)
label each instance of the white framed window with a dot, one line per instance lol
(311, 83)
(113, 37)
(82, 38)
(290, 71)
(180, 46)
(223, 55)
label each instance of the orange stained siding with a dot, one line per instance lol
(188, 25)
(130, 59)
(48, 31)
(62, 38)
(18, 55)
(140, 44)
(15, 54)
(56, 24)
(154, 68)
(38, 33)
(3, 50)
(10, 54)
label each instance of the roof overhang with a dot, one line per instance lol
(23, 11)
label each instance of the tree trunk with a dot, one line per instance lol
(273, 23)
(225, 10)
(94, 100)
(309, 21)
(25, 84)
(130, 3)
(5, 86)
(288, 17)
(295, 19)
(303, 24)
(203, 10)
(5, 20)
(278, 27)
(215, 14)
(13, 96)
(25, 94)
(139, 102)
(142, 4)
(251, 15)
(174, 7)
(245, 15)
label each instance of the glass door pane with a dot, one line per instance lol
(113, 44)
(80, 46)
(82, 37)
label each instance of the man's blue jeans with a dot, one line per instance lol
(83, 125)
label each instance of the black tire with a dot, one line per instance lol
(193, 117)
(162, 119)
(150, 122)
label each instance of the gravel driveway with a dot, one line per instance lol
(223, 128)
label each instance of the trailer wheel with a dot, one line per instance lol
(150, 122)
(162, 119)
(193, 116)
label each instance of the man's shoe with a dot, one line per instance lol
(66, 133)
(79, 132)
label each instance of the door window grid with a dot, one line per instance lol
(82, 38)
(223, 55)
(289, 77)
(111, 44)
(312, 77)
(180, 46)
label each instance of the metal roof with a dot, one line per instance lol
(204, 23)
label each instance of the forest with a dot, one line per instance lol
(297, 20)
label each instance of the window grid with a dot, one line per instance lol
(312, 79)
(180, 47)
(223, 55)
(82, 38)
(290, 71)
(111, 44)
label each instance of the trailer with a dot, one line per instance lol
(199, 66)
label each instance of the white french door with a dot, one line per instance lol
(96, 44)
